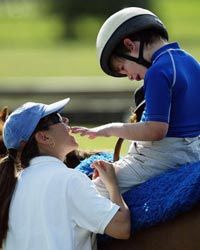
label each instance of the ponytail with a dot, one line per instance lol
(8, 181)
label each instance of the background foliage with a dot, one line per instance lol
(72, 11)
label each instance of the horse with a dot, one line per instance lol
(3, 116)
(179, 233)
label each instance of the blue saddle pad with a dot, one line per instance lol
(165, 196)
(85, 165)
(160, 198)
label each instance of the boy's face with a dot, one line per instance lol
(132, 70)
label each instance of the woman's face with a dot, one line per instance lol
(60, 137)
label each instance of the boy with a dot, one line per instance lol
(134, 43)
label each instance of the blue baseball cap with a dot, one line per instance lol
(21, 123)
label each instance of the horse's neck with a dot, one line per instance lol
(182, 233)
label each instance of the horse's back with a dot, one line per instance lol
(181, 233)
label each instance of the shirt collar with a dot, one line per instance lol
(40, 159)
(169, 46)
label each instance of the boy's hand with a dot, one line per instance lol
(91, 132)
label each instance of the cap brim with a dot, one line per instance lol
(55, 107)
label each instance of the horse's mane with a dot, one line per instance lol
(3, 116)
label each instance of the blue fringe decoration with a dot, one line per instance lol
(160, 198)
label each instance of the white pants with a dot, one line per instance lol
(148, 159)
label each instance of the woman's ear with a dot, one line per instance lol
(41, 137)
(130, 45)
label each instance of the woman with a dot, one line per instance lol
(47, 205)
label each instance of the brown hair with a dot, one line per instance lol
(7, 185)
(148, 36)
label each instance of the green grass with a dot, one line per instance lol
(101, 144)
(70, 60)
(181, 18)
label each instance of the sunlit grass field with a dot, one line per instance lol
(101, 144)
(67, 60)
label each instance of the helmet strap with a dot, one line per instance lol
(140, 59)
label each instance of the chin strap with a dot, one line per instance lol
(140, 59)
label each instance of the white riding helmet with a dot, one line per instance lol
(124, 22)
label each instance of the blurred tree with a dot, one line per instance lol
(71, 10)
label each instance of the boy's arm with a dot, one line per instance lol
(141, 131)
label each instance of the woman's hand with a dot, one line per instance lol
(106, 172)
(120, 225)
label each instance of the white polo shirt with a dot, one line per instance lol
(55, 208)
